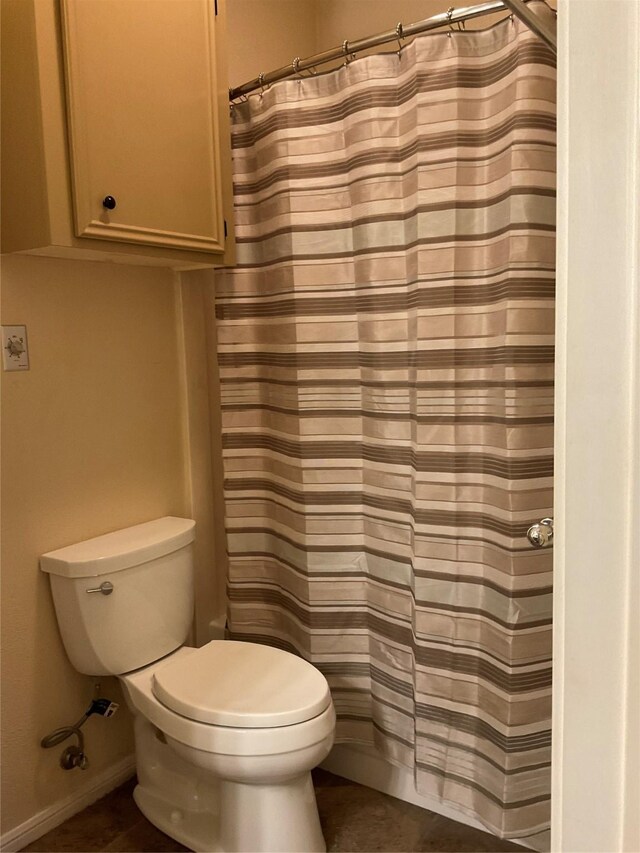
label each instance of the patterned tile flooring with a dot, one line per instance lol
(354, 818)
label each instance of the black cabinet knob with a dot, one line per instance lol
(109, 202)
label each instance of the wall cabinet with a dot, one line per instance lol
(115, 136)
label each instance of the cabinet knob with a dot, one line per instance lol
(109, 202)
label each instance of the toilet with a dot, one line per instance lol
(226, 735)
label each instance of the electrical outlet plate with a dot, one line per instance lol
(15, 353)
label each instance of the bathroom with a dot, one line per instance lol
(117, 421)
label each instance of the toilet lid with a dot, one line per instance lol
(245, 685)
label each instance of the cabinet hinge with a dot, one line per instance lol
(225, 229)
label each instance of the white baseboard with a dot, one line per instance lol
(363, 764)
(42, 822)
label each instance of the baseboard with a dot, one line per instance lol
(365, 765)
(42, 822)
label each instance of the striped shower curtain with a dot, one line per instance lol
(386, 359)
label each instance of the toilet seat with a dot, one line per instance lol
(228, 740)
(241, 685)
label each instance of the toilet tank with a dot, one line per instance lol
(143, 606)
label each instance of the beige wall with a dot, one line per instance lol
(203, 449)
(92, 440)
(338, 20)
(267, 34)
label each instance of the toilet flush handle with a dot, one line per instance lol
(105, 588)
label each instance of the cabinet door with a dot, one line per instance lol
(143, 121)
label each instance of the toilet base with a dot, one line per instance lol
(275, 818)
(257, 818)
(213, 815)
(195, 830)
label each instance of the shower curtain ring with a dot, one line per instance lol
(347, 56)
(450, 12)
(296, 66)
(261, 82)
(399, 36)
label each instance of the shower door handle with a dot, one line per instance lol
(541, 534)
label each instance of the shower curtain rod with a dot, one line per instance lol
(348, 49)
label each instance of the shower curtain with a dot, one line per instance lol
(386, 362)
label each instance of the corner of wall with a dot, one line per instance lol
(202, 451)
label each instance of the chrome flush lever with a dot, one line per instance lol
(105, 588)
(541, 535)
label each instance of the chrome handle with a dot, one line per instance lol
(541, 535)
(105, 588)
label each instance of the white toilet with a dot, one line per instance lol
(226, 735)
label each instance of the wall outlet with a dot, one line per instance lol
(15, 352)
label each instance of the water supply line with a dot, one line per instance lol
(75, 756)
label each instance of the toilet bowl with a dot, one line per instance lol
(264, 799)
(226, 735)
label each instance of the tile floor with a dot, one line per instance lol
(354, 818)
